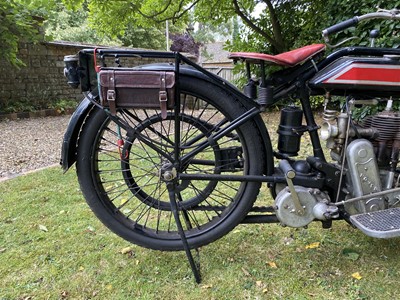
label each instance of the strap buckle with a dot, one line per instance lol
(163, 96)
(110, 95)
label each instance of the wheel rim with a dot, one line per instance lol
(128, 181)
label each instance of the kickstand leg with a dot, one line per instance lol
(174, 208)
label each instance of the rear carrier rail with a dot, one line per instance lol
(120, 82)
(119, 74)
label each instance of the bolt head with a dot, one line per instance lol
(168, 176)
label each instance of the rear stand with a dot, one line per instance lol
(174, 207)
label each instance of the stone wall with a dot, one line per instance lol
(42, 78)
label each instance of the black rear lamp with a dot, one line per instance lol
(71, 70)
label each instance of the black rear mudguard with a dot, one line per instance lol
(70, 141)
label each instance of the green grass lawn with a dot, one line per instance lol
(53, 247)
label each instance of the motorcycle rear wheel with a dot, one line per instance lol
(124, 185)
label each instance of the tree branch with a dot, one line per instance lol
(276, 27)
(157, 13)
(176, 15)
(251, 24)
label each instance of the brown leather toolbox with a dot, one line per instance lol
(127, 88)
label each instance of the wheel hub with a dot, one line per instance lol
(167, 172)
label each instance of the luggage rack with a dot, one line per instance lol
(95, 59)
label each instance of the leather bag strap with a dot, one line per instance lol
(163, 97)
(111, 93)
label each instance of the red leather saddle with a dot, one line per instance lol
(286, 59)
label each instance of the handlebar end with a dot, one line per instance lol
(339, 27)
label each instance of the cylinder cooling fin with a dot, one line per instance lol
(387, 144)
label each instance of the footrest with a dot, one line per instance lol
(379, 224)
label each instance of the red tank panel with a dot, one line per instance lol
(360, 75)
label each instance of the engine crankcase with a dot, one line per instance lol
(364, 177)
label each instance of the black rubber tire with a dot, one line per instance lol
(234, 198)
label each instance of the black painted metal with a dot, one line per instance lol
(177, 112)
(256, 219)
(220, 134)
(316, 181)
(311, 124)
(290, 130)
(242, 178)
(174, 207)
(70, 139)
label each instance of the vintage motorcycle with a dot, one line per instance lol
(172, 157)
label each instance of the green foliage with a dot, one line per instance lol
(342, 10)
(17, 106)
(16, 25)
(29, 105)
(41, 8)
(127, 21)
(140, 37)
(73, 26)
(63, 104)
(317, 101)
(359, 113)
(88, 22)
(278, 25)
(108, 23)
(302, 22)
(210, 33)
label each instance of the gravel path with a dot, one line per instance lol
(29, 144)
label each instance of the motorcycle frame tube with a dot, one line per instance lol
(312, 127)
(177, 102)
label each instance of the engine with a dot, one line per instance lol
(370, 158)
(366, 152)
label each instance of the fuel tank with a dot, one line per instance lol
(373, 76)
